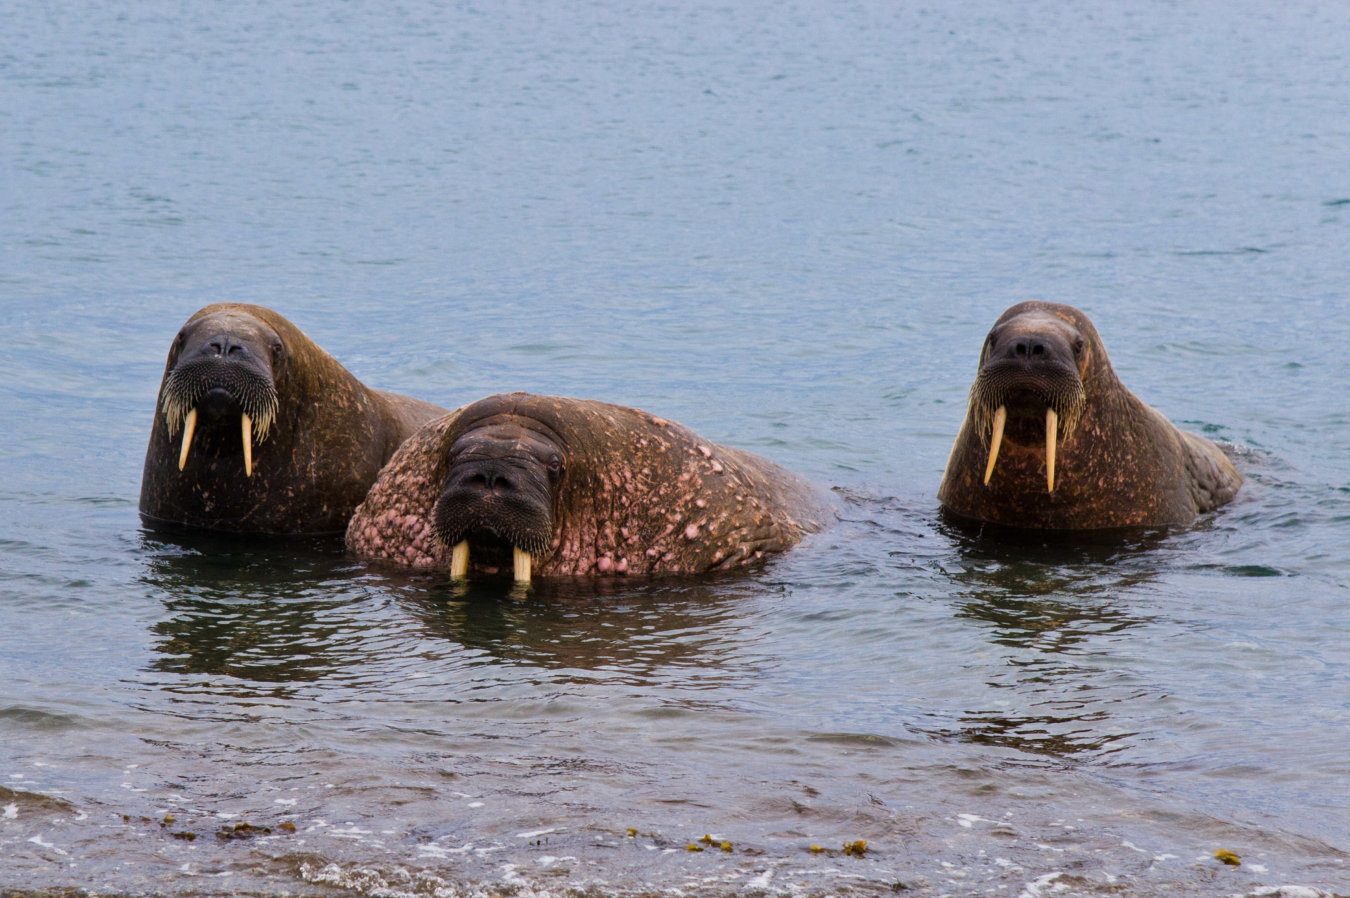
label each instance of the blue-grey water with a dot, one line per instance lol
(789, 228)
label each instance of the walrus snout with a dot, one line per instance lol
(1029, 371)
(224, 368)
(494, 506)
(219, 403)
(1027, 389)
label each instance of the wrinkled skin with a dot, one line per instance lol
(585, 487)
(320, 436)
(1119, 463)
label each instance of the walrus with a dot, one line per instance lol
(1053, 440)
(276, 436)
(547, 486)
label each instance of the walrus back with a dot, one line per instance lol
(406, 414)
(1213, 480)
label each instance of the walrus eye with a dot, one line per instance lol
(554, 464)
(276, 350)
(1078, 347)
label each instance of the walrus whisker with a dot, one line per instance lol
(189, 383)
(247, 426)
(1051, 430)
(459, 559)
(522, 564)
(189, 425)
(1000, 418)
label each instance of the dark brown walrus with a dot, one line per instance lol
(277, 437)
(1054, 440)
(541, 484)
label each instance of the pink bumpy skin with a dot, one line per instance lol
(640, 495)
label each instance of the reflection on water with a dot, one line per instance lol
(635, 634)
(264, 612)
(254, 609)
(1060, 601)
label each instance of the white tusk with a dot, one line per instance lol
(248, 446)
(1051, 433)
(522, 566)
(189, 425)
(459, 559)
(1000, 418)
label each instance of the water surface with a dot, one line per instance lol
(788, 228)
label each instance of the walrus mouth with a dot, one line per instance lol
(491, 526)
(188, 385)
(1054, 385)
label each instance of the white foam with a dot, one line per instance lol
(761, 881)
(37, 840)
(1033, 888)
(439, 852)
(534, 833)
(11, 811)
(352, 833)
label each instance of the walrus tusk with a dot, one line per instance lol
(522, 565)
(1051, 432)
(459, 559)
(248, 446)
(189, 425)
(1000, 418)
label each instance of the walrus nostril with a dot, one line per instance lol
(492, 481)
(1027, 349)
(225, 346)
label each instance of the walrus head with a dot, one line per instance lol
(501, 492)
(1032, 384)
(222, 375)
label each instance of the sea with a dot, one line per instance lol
(787, 226)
